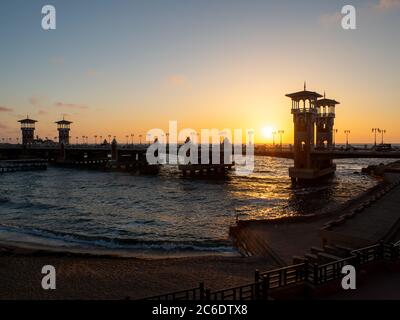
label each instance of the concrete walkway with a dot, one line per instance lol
(374, 223)
(283, 240)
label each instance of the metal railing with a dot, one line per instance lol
(252, 291)
(315, 274)
(197, 293)
(283, 276)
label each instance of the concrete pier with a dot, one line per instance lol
(22, 165)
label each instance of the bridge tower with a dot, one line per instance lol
(305, 115)
(28, 130)
(63, 127)
(325, 122)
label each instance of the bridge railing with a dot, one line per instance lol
(284, 276)
(251, 291)
(315, 274)
(197, 293)
(330, 271)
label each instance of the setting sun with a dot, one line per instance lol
(267, 132)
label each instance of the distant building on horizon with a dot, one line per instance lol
(63, 127)
(28, 130)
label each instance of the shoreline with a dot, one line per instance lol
(26, 248)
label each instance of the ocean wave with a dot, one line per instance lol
(4, 200)
(63, 239)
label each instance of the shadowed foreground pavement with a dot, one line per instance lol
(82, 277)
(384, 285)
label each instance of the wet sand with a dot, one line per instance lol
(96, 277)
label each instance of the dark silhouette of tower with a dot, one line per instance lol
(63, 127)
(313, 129)
(28, 130)
(304, 111)
(325, 122)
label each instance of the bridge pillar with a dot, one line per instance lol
(114, 150)
(63, 154)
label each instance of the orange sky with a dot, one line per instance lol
(207, 65)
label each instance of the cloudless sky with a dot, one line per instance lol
(120, 67)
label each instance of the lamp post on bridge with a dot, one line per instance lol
(140, 139)
(281, 132)
(132, 135)
(273, 138)
(95, 139)
(383, 131)
(335, 131)
(375, 131)
(347, 132)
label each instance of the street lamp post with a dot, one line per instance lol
(335, 131)
(383, 131)
(347, 132)
(281, 132)
(273, 138)
(132, 135)
(375, 131)
(140, 139)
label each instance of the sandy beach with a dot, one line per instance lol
(95, 277)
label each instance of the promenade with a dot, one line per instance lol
(376, 219)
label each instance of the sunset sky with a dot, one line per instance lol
(121, 67)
